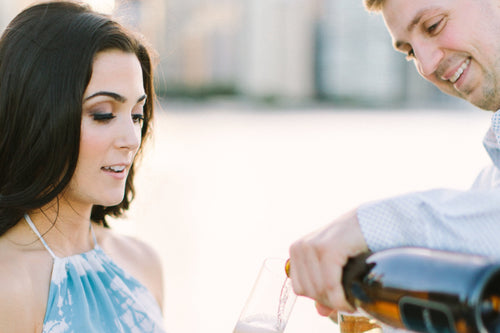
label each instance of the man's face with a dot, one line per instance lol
(454, 44)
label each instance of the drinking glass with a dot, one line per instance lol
(270, 302)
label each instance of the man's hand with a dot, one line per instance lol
(317, 260)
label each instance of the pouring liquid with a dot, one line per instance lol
(269, 323)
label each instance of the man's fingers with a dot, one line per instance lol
(317, 260)
(334, 316)
(324, 310)
(304, 270)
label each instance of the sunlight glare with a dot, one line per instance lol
(102, 6)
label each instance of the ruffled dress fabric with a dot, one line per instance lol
(90, 293)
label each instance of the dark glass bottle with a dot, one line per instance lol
(426, 290)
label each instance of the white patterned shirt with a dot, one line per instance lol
(461, 221)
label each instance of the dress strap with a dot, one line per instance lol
(35, 230)
(93, 234)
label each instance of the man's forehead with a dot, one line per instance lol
(410, 8)
(401, 16)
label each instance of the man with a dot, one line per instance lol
(455, 45)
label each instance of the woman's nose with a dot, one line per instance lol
(129, 136)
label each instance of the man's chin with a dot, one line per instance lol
(485, 103)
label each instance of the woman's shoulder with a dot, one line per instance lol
(12, 274)
(131, 248)
(16, 298)
(135, 256)
(24, 282)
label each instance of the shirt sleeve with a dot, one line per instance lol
(488, 178)
(461, 221)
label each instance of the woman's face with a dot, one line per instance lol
(112, 114)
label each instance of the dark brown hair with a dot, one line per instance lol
(46, 57)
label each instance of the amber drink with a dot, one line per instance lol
(357, 323)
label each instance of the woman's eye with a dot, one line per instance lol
(138, 118)
(103, 117)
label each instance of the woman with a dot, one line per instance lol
(76, 102)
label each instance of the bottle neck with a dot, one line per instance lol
(352, 277)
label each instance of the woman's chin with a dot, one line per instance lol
(112, 201)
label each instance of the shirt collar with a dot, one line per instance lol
(492, 139)
(495, 125)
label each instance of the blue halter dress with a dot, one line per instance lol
(89, 293)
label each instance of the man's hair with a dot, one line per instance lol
(46, 58)
(374, 5)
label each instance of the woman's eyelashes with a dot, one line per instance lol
(137, 118)
(103, 117)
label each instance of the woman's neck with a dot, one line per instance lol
(64, 228)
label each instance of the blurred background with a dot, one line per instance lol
(281, 52)
(275, 117)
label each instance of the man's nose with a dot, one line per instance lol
(427, 58)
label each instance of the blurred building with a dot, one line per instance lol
(277, 48)
(290, 50)
(355, 60)
(201, 46)
(356, 63)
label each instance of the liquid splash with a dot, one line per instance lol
(283, 305)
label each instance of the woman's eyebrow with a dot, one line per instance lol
(142, 98)
(115, 96)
